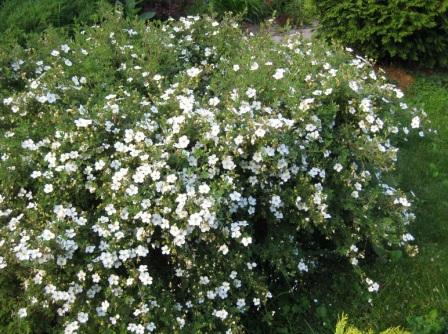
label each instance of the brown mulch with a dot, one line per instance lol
(398, 74)
(167, 8)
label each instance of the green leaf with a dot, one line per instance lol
(147, 15)
(396, 255)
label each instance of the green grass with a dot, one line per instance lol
(414, 287)
(22, 18)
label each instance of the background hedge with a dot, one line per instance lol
(406, 30)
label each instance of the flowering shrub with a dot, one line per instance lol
(164, 177)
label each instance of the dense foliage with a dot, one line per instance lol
(343, 327)
(407, 30)
(22, 17)
(173, 177)
(293, 11)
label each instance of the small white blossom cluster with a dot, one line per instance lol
(372, 286)
(159, 186)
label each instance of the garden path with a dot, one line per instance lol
(279, 33)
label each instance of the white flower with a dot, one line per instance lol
(165, 250)
(113, 280)
(251, 265)
(204, 280)
(75, 80)
(144, 276)
(279, 74)
(310, 127)
(110, 209)
(338, 167)
(403, 201)
(195, 219)
(306, 104)
(99, 165)
(236, 68)
(193, 72)
(224, 249)
(151, 327)
(415, 122)
(71, 328)
(68, 62)
(83, 123)
(22, 313)
(182, 143)
(35, 174)
(132, 190)
(283, 149)
(260, 132)
(171, 178)
(240, 303)
(55, 53)
(214, 101)
(204, 189)
(42, 98)
(408, 237)
(212, 160)
(83, 317)
(302, 266)
(47, 235)
(354, 85)
(7, 101)
(2, 262)
(235, 196)
(372, 286)
(227, 163)
(276, 201)
(246, 241)
(65, 48)
(48, 188)
(101, 310)
(139, 136)
(221, 314)
(238, 140)
(51, 98)
(251, 92)
(254, 66)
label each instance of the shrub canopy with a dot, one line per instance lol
(172, 177)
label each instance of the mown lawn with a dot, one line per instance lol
(415, 290)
